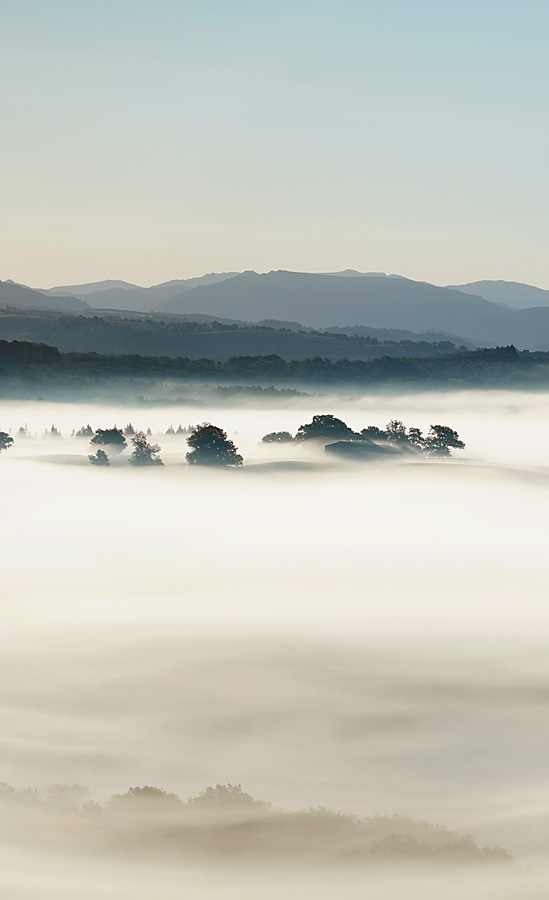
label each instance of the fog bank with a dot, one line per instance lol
(368, 638)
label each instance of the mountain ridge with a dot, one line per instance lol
(320, 301)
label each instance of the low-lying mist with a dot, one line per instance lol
(369, 638)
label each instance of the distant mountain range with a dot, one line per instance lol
(486, 312)
(122, 295)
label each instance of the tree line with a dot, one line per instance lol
(222, 820)
(209, 444)
(24, 363)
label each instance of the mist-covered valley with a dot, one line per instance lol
(362, 638)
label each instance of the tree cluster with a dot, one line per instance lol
(209, 445)
(439, 441)
(144, 453)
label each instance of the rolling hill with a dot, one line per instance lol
(152, 336)
(512, 293)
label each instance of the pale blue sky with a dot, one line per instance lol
(154, 140)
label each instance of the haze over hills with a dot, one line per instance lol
(321, 301)
(22, 297)
(95, 287)
(512, 293)
(324, 300)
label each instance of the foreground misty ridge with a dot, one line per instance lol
(211, 447)
(224, 821)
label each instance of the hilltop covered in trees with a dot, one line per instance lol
(224, 821)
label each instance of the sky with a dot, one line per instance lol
(148, 141)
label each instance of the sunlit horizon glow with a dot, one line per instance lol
(147, 142)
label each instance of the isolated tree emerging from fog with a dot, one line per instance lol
(100, 459)
(144, 454)
(211, 447)
(441, 439)
(110, 437)
(324, 427)
(6, 441)
(277, 437)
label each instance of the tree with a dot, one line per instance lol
(6, 441)
(322, 427)
(211, 447)
(85, 432)
(100, 459)
(129, 430)
(110, 437)
(144, 454)
(441, 439)
(396, 432)
(415, 438)
(277, 437)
